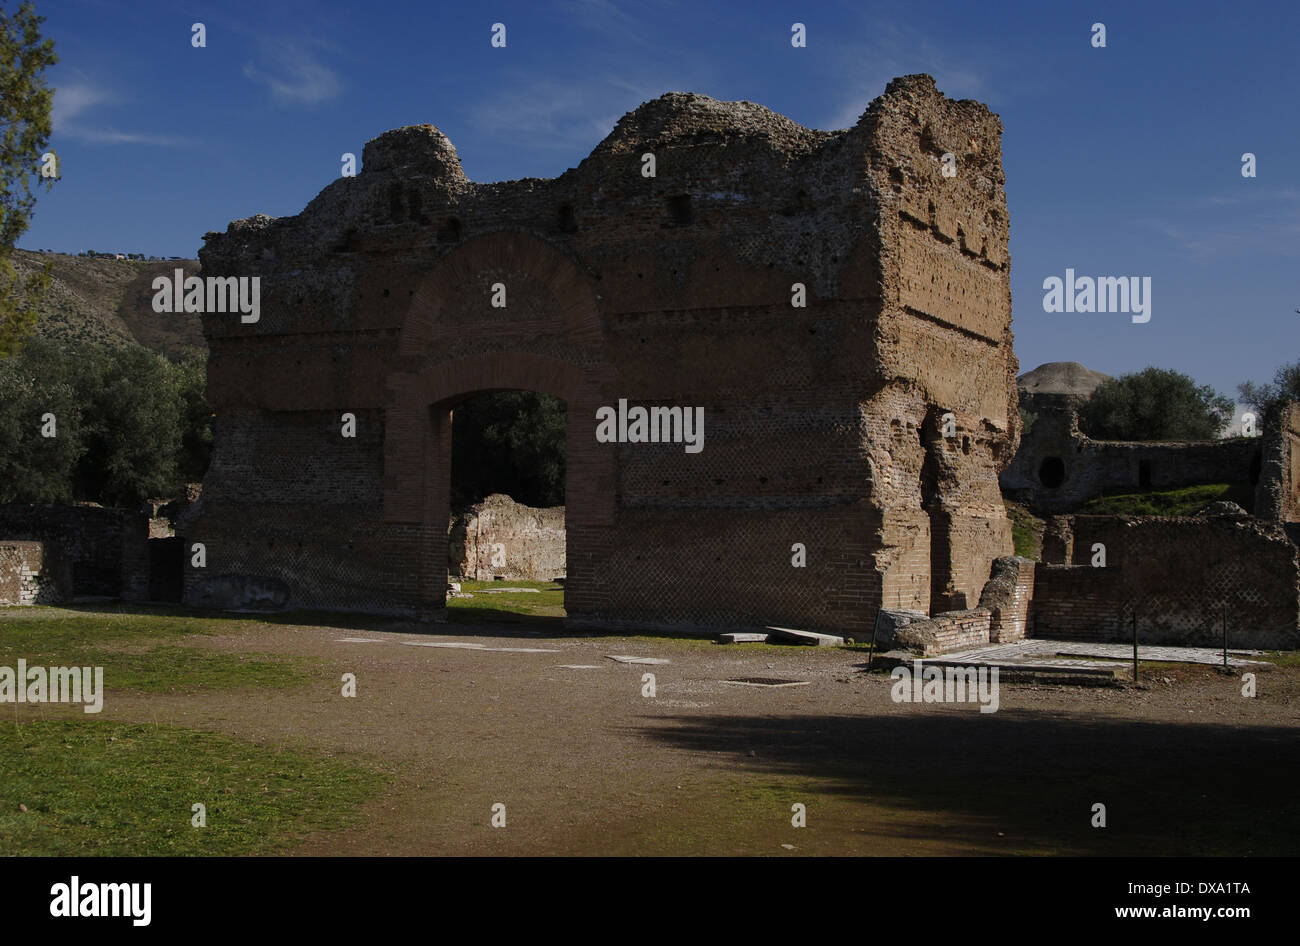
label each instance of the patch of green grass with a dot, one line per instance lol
(1026, 531)
(1283, 658)
(1184, 501)
(545, 607)
(114, 789)
(136, 653)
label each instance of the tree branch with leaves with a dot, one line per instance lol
(25, 102)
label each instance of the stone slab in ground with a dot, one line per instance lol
(1040, 650)
(638, 660)
(503, 591)
(740, 637)
(806, 637)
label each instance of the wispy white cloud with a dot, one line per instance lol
(558, 114)
(1268, 233)
(110, 136)
(888, 50)
(293, 73)
(619, 23)
(79, 97)
(71, 99)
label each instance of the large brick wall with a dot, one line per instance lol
(824, 424)
(106, 548)
(1176, 575)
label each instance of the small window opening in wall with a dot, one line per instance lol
(450, 231)
(679, 207)
(395, 204)
(1051, 472)
(414, 200)
(568, 222)
(1256, 466)
(1144, 474)
(965, 445)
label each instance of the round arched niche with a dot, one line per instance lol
(1051, 472)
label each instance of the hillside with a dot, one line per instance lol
(107, 302)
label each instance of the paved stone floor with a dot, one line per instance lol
(1049, 653)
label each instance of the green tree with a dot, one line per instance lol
(1265, 399)
(508, 442)
(191, 377)
(1154, 404)
(25, 102)
(130, 425)
(34, 468)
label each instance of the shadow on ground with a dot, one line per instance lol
(1169, 788)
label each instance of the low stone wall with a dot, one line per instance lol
(1007, 596)
(499, 537)
(952, 630)
(32, 574)
(1177, 575)
(107, 548)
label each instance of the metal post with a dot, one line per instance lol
(1225, 635)
(1135, 645)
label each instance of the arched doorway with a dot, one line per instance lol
(454, 345)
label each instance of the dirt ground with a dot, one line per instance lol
(586, 765)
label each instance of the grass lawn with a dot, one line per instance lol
(490, 605)
(103, 788)
(141, 651)
(91, 786)
(1184, 501)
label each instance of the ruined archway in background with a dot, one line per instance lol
(551, 306)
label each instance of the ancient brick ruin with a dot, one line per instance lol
(825, 423)
(1057, 466)
(500, 538)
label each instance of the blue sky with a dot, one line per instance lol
(1119, 161)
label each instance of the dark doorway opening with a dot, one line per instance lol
(1144, 474)
(1051, 472)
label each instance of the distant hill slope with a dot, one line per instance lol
(108, 302)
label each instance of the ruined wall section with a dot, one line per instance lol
(1088, 468)
(106, 548)
(674, 290)
(1277, 495)
(946, 322)
(499, 538)
(1176, 574)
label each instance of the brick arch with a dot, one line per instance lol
(447, 315)
(454, 294)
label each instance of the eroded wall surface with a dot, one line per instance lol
(867, 426)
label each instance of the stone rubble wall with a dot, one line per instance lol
(32, 574)
(499, 538)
